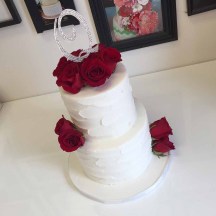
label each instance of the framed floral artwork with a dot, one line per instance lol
(199, 6)
(132, 24)
(8, 14)
(44, 12)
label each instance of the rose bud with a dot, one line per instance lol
(62, 125)
(162, 146)
(160, 128)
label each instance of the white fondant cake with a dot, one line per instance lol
(118, 142)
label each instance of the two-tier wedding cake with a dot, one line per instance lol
(114, 145)
(117, 140)
(108, 129)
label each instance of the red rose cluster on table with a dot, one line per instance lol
(92, 71)
(160, 131)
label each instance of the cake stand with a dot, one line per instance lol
(123, 192)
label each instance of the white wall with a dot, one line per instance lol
(27, 59)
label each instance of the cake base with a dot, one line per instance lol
(118, 193)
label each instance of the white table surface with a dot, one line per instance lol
(33, 170)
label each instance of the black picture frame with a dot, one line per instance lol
(16, 19)
(200, 6)
(169, 32)
(42, 24)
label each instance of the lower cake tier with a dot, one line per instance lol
(115, 160)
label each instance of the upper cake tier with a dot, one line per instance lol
(104, 111)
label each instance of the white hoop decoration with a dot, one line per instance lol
(57, 24)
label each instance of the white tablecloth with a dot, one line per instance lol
(33, 170)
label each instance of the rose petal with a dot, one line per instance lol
(62, 125)
(163, 145)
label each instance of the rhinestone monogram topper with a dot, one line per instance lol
(58, 31)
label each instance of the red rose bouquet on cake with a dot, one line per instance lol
(92, 71)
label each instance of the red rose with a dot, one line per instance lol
(101, 47)
(92, 56)
(94, 72)
(60, 67)
(160, 129)
(110, 55)
(70, 140)
(95, 55)
(62, 125)
(70, 79)
(77, 52)
(125, 11)
(162, 146)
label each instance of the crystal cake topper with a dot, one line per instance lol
(58, 31)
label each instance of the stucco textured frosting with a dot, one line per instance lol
(114, 160)
(117, 140)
